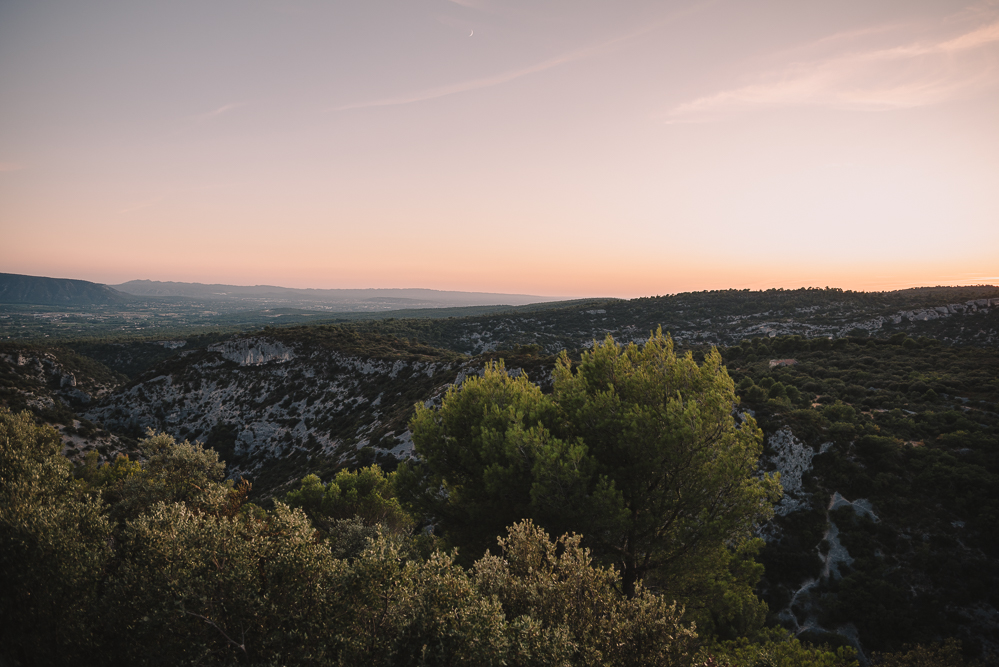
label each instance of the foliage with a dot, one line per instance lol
(209, 586)
(637, 450)
(478, 456)
(947, 654)
(555, 586)
(172, 473)
(777, 648)
(53, 547)
(659, 428)
(109, 473)
(928, 465)
(367, 494)
(189, 573)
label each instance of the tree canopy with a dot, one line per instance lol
(192, 574)
(636, 448)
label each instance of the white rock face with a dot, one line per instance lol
(404, 450)
(172, 344)
(793, 459)
(279, 400)
(800, 612)
(253, 351)
(861, 506)
(836, 556)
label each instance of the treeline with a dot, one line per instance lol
(744, 302)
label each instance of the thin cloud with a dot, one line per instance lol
(505, 77)
(904, 76)
(191, 123)
(986, 35)
(10, 166)
(218, 112)
(465, 86)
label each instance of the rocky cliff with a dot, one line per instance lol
(276, 409)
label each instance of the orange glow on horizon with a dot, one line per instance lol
(624, 150)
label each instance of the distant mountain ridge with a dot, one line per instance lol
(17, 288)
(402, 296)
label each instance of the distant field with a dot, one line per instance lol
(178, 317)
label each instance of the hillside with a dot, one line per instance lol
(56, 385)
(887, 449)
(889, 454)
(20, 289)
(881, 411)
(278, 405)
(957, 315)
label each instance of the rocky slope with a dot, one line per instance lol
(889, 455)
(869, 437)
(887, 441)
(277, 407)
(56, 385)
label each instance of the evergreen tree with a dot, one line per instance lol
(636, 449)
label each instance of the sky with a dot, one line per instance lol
(571, 148)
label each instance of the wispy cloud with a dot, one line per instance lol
(218, 112)
(912, 74)
(195, 121)
(10, 166)
(471, 4)
(505, 77)
(464, 86)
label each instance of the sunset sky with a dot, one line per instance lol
(559, 148)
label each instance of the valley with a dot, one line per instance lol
(880, 411)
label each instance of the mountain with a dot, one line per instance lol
(16, 288)
(339, 299)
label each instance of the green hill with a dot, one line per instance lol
(16, 288)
